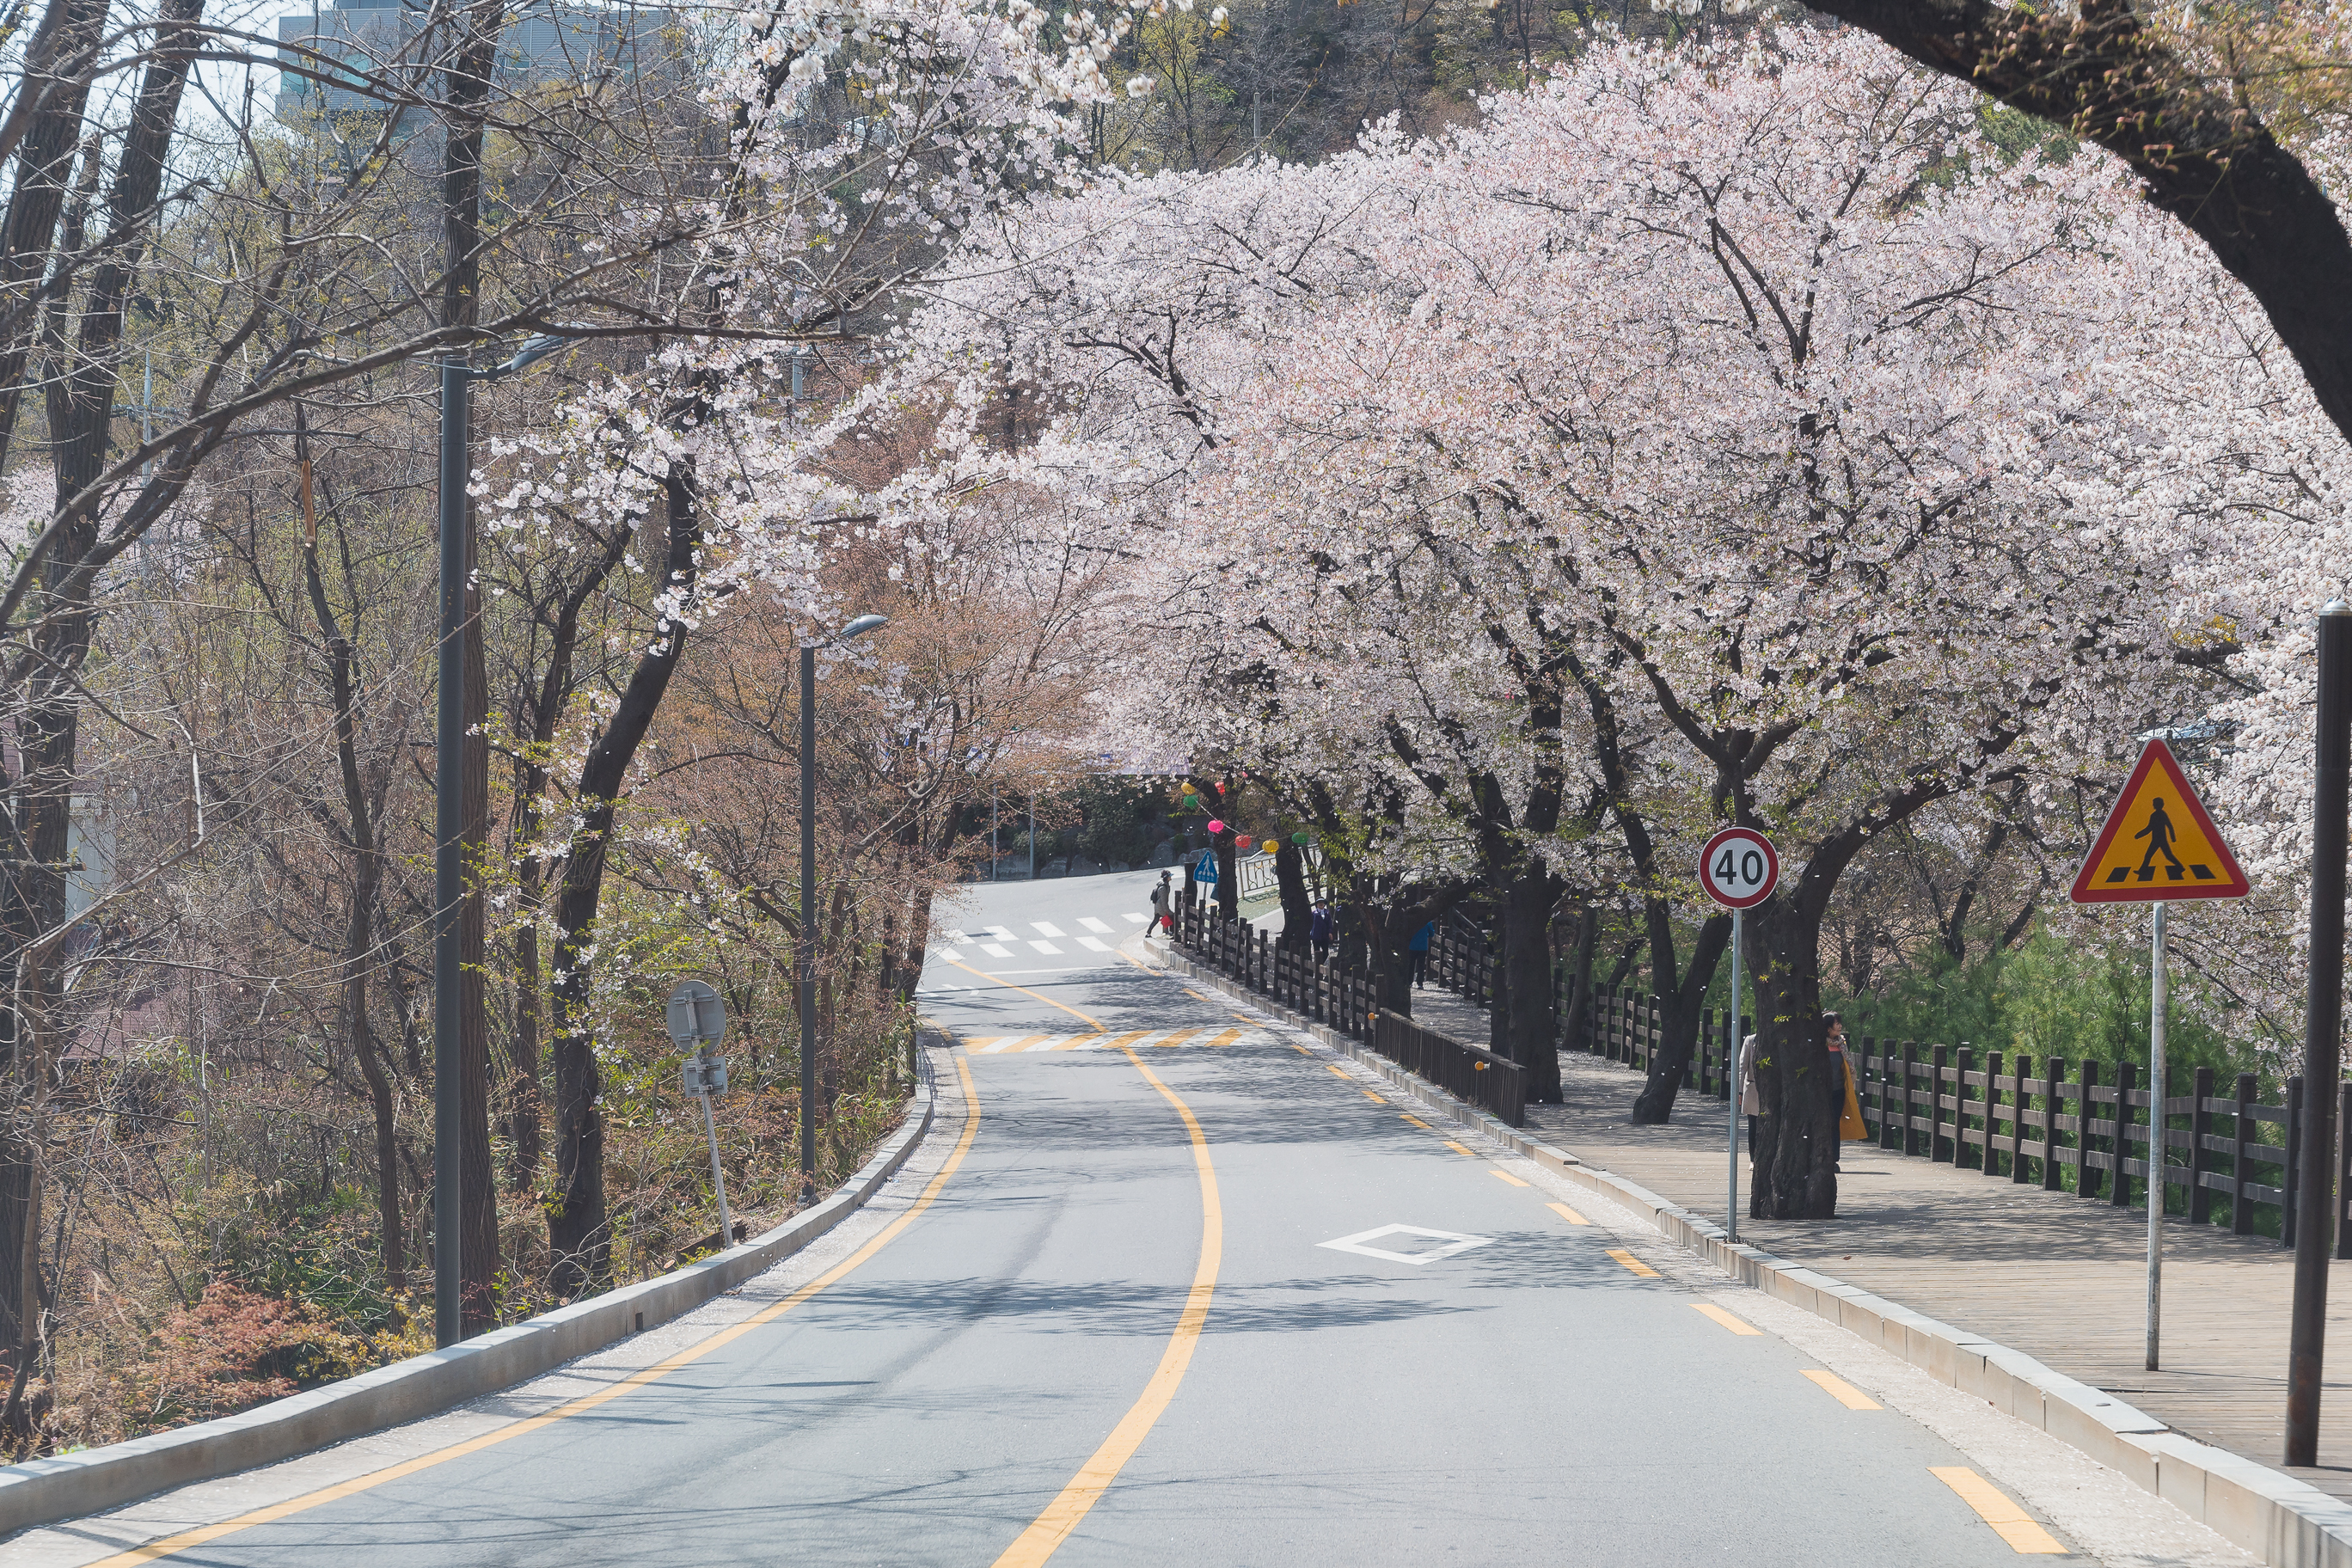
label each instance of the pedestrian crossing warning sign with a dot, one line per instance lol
(2159, 846)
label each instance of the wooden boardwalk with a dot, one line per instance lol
(2060, 1278)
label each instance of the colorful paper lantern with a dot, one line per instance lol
(1215, 827)
(1242, 841)
(1299, 839)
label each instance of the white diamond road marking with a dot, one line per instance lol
(1091, 945)
(1044, 947)
(1094, 925)
(993, 950)
(1456, 1242)
(950, 955)
(1044, 929)
(1138, 920)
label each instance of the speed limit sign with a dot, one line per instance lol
(1738, 868)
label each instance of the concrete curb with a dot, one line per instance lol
(2288, 1523)
(40, 1492)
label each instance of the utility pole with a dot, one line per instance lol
(2322, 1032)
(457, 376)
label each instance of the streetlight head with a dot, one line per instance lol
(2336, 608)
(860, 627)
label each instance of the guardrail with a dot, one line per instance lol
(1341, 997)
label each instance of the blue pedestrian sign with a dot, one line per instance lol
(1206, 872)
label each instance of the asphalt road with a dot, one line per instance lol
(1119, 1334)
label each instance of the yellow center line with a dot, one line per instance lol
(171, 1546)
(1632, 1263)
(1245, 1018)
(1302, 1050)
(1053, 1527)
(1458, 1149)
(1337, 1071)
(1838, 1389)
(1195, 995)
(1178, 1038)
(1506, 1176)
(1568, 1213)
(1416, 1120)
(1227, 1039)
(2009, 1521)
(1375, 1099)
(1049, 1002)
(1736, 1324)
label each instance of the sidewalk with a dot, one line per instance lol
(2060, 1278)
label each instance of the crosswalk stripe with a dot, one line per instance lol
(1091, 945)
(1138, 920)
(1227, 1039)
(1094, 925)
(950, 955)
(1012, 1043)
(1045, 928)
(993, 950)
(1044, 947)
(1178, 1038)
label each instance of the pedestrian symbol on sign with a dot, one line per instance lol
(2158, 844)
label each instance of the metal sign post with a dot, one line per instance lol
(1738, 870)
(2158, 846)
(2156, 1151)
(698, 1021)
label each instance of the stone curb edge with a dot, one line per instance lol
(2290, 1523)
(41, 1491)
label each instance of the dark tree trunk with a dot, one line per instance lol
(1679, 1007)
(1580, 997)
(1297, 911)
(576, 1229)
(1794, 1174)
(1526, 999)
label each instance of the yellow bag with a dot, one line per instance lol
(1850, 1125)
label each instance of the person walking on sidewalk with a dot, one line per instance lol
(1163, 920)
(1320, 929)
(1419, 947)
(1751, 1104)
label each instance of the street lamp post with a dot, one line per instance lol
(856, 628)
(458, 377)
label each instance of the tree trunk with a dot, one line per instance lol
(1298, 912)
(576, 1230)
(1228, 878)
(1679, 1009)
(1794, 1176)
(1580, 997)
(1526, 999)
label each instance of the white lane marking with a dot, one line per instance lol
(1138, 920)
(950, 955)
(1094, 925)
(958, 936)
(1002, 933)
(993, 950)
(1091, 945)
(1044, 947)
(1043, 928)
(1456, 1241)
(1046, 1045)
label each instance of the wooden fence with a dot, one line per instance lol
(1342, 997)
(2079, 1126)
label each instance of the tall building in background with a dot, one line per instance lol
(545, 40)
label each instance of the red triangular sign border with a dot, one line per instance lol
(2233, 883)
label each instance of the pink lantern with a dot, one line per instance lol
(1215, 827)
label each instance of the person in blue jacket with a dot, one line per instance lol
(1419, 947)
